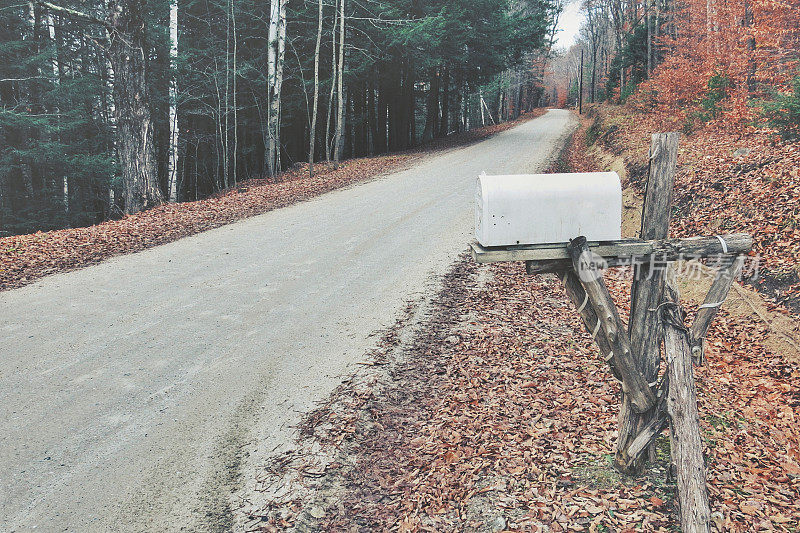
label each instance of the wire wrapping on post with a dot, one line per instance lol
(723, 243)
(672, 314)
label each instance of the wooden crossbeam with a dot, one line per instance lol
(555, 258)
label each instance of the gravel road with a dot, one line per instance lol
(143, 394)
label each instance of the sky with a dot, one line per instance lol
(569, 24)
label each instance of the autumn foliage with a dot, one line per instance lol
(751, 46)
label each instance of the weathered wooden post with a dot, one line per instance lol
(686, 446)
(708, 310)
(510, 228)
(647, 291)
(634, 385)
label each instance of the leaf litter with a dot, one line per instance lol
(500, 415)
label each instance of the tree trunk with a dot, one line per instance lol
(135, 146)
(371, 116)
(313, 133)
(226, 117)
(649, 39)
(382, 119)
(235, 166)
(275, 55)
(333, 83)
(172, 162)
(594, 73)
(444, 124)
(337, 145)
(431, 107)
(412, 117)
(56, 68)
(750, 46)
(25, 166)
(483, 116)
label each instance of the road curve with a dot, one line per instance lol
(129, 389)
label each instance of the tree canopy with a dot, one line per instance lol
(411, 70)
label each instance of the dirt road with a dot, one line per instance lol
(142, 393)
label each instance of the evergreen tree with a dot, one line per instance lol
(92, 93)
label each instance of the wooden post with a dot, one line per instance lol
(648, 289)
(580, 300)
(713, 301)
(687, 446)
(648, 283)
(633, 383)
(580, 88)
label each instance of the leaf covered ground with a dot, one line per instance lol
(500, 414)
(729, 180)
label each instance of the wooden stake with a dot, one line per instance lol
(633, 383)
(687, 446)
(708, 310)
(580, 300)
(648, 287)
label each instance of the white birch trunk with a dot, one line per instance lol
(272, 58)
(337, 145)
(235, 104)
(328, 140)
(172, 162)
(275, 53)
(51, 31)
(313, 132)
(279, 81)
(483, 117)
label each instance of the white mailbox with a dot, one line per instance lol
(547, 208)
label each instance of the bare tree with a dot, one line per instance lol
(172, 161)
(275, 56)
(135, 144)
(333, 81)
(337, 145)
(125, 25)
(313, 132)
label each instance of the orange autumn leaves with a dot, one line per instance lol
(754, 45)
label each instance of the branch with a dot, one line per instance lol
(74, 14)
(24, 79)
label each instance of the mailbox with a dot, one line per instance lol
(547, 208)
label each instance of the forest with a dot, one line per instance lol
(695, 61)
(234, 264)
(112, 107)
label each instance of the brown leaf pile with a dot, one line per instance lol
(727, 182)
(25, 258)
(502, 415)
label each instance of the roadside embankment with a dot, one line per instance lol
(499, 414)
